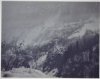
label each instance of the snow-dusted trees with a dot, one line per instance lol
(14, 56)
(8, 59)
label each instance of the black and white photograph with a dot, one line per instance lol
(50, 39)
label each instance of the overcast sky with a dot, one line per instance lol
(18, 18)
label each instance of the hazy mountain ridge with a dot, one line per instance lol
(75, 49)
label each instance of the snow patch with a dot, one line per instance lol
(41, 60)
(24, 72)
(78, 33)
(53, 72)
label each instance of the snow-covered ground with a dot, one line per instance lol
(24, 72)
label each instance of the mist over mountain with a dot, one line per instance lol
(50, 39)
(29, 21)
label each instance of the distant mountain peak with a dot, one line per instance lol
(87, 28)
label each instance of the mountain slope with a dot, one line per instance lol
(71, 51)
(78, 54)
